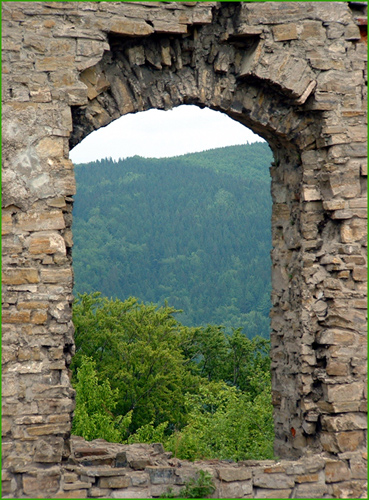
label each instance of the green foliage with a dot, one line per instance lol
(201, 487)
(193, 230)
(225, 423)
(95, 402)
(141, 376)
(138, 348)
(148, 433)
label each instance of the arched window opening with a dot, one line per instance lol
(173, 208)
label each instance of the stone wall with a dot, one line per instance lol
(295, 73)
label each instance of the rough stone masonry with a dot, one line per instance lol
(295, 73)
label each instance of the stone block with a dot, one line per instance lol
(161, 475)
(343, 392)
(336, 471)
(6, 223)
(235, 489)
(337, 368)
(359, 469)
(77, 485)
(95, 492)
(114, 482)
(229, 474)
(19, 276)
(47, 242)
(311, 194)
(16, 316)
(131, 493)
(270, 493)
(43, 430)
(275, 481)
(335, 336)
(40, 221)
(32, 485)
(307, 478)
(282, 32)
(129, 27)
(56, 275)
(54, 63)
(71, 494)
(360, 274)
(342, 441)
(310, 490)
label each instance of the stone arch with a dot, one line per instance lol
(273, 67)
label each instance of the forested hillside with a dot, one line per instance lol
(193, 230)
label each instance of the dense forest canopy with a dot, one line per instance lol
(141, 376)
(192, 230)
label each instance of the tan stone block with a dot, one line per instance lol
(71, 494)
(36, 304)
(43, 430)
(335, 368)
(350, 441)
(275, 481)
(336, 471)
(343, 392)
(311, 30)
(58, 202)
(77, 486)
(229, 474)
(51, 147)
(115, 482)
(130, 27)
(8, 354)
(307, 478)
(346, 422)
(16, 316)
(45, 484)
(98, 492)
(25, 354)
(334, 204)
(235, 489)
(283, 32)
(20, 276)
(56, 275)
(54, 63)
(270, 493)
(6, 425)
(335, 336)
(311, 194)
(359, 470)
(41, 221)
(310, 490)
(360, 274)
(39, 317)
(45, 242)
(6, 223)
(353, 230)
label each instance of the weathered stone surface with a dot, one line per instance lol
(47, 242)
(115, 482)
(275, 481)
(336, 471)
(235, 489)
(233, 474)
(13, 276)
(346, 422)
(40, 221)
(295, 73)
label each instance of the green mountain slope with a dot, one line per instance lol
(193, 230)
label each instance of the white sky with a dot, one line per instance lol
(157, 134)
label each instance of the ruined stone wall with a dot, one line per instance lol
(295, 73)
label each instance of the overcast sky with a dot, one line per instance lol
(157, 134)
